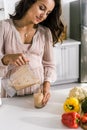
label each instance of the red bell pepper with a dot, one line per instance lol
(71, 119)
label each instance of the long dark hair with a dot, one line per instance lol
(53, 20)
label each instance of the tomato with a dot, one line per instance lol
(84, 119)
(85, 114)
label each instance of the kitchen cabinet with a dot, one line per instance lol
(66, 57)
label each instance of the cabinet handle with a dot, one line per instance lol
(1, 9)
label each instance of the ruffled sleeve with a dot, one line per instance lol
(48, 58)
(2, 48)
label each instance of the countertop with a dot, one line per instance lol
(19, 112)
(68, 42)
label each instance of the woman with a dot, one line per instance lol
(26, 37)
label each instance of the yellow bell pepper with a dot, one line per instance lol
(71, 104)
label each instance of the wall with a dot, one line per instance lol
(2, 15)
(66, 14)
(9, 6)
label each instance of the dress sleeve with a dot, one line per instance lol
(2, 48)
(48, 58)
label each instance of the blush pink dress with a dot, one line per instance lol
(40, 52)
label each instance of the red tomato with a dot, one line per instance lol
(84, 119)
(85, 114)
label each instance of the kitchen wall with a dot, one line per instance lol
(66, 14)
(9, 9)
(2, 15)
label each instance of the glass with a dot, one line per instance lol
(38, 97)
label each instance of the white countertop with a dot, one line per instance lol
(68, 42)
(20, 113)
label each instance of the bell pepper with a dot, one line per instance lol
(71, 119)
(71, 104)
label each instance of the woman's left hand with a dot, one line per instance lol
(46, 92)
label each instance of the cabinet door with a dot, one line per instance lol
(70, 62)
(58, 62)
(73, 62)
(65, 59)
(67, 63)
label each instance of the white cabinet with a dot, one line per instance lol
(67, 61)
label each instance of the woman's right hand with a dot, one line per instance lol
(15, 59)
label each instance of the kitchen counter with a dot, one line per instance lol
(20, 113)
(68, 42)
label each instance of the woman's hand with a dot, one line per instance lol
(46, 92)
(15, 59)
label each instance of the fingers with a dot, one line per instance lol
(46, 98)
(25, 58)
(20, 59)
